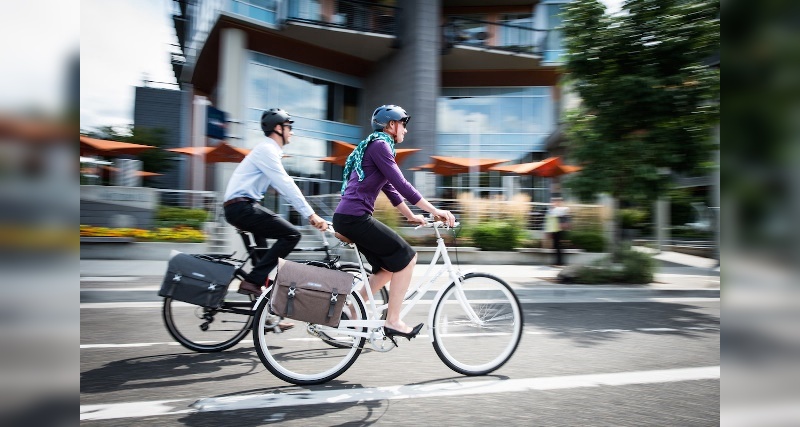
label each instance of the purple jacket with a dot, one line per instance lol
(380, 173)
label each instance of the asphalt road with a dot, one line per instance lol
(588, 357)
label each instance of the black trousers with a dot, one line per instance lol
(557, 236)
(264, 224)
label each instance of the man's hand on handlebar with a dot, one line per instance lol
(318, 223)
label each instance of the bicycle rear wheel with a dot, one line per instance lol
(477, 346)
(208, 330)
(301, 355)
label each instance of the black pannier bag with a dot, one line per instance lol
(309, 294)
(198, 281)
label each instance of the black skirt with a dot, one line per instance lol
(381, 245)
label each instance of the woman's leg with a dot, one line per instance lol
(400, 282)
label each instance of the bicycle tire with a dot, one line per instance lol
(477, 348)
(298, 355)
(203, 329)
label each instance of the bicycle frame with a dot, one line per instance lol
(373, 323)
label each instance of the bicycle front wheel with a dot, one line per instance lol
(208, 330)
(479, 344)
(304, 355)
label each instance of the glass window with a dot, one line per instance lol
(553, 47)
(510, 121)
(518, 32)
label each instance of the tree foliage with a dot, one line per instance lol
(648, 100)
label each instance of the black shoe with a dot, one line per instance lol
(391, 333)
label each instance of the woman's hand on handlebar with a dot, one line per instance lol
(445, 216)
(418, 220)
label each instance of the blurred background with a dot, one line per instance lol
(39, 311)
(39, 308)
(760, 198)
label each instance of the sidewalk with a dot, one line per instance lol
(678, 271)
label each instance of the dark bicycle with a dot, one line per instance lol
(206, 330)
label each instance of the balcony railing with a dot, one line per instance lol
(492, 35)
(348, 14)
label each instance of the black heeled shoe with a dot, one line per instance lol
(391, 333)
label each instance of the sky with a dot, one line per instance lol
(40, 39)
(121, 41)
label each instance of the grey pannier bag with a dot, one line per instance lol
(309, 294)
(196, 280)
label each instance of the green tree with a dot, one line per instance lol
(649, 102)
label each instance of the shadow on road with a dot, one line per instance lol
(593, 323)
(168, 370)
(372, 410)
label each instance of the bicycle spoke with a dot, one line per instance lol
(476, 346)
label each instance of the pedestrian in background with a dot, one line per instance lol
(556, 223)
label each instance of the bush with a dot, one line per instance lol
(172, 217)
(633, 218)
(590, 241)
(496, 235)
(634, 268)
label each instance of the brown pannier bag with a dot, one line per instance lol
(309, 294)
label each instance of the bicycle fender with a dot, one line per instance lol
(261, 297)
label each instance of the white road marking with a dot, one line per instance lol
(459, 387)
(590, 331)
(109, 279)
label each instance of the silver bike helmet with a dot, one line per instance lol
(386, 113)
(272, 117)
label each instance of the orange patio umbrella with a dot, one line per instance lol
(105, 147)
(343, 149)
(222, 153)
(448, 166)
(548, 168)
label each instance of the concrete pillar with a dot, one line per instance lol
(230, 95)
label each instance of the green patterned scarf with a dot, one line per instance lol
(354, 159)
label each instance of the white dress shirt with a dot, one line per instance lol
(261, 169)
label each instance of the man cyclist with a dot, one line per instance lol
(261, 169)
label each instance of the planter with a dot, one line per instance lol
(124, 249)
(520, 256)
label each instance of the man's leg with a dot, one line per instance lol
(265, 224)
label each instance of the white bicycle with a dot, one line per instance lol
(475, 324)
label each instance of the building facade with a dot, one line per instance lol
(478, 78)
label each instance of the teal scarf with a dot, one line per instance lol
(354, 159)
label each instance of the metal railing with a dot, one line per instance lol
(493, 35)
(352, 15)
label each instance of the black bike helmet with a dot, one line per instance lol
(272, 117)
(386, 113)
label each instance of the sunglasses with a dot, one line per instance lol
(288, 126)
